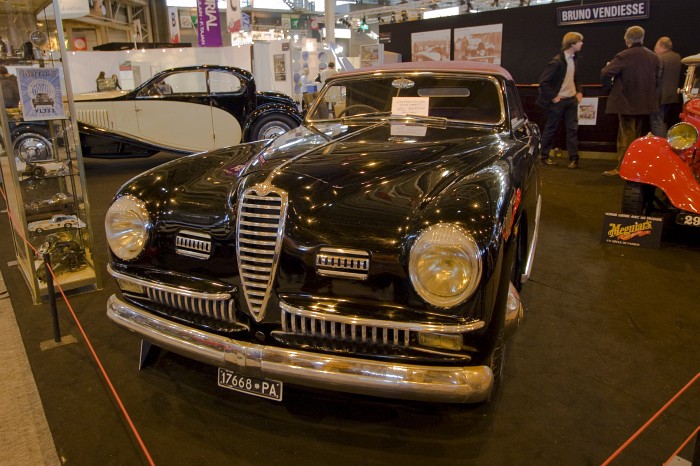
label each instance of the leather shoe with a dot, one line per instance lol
(573, 164)
(613, 172)
(548, 161)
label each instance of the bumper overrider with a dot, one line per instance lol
(468, 384)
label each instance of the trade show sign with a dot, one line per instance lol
(623, 10)
(208, 24)
(632, 230)
(40, 93)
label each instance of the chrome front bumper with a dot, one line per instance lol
(468, 384)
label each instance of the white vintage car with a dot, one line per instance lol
(55, 222)
(182, 110)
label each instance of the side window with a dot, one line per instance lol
(223, 82)
(515, 109)
(189, 82)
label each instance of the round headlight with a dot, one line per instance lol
(445, 265)
(126, 225)
(682, 136)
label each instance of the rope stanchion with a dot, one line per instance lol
(652, 419)
(51, 277)
(52, 297)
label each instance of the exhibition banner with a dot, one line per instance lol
(208, 24)
(623, 10)
(234, 18)
(40, 93)
(632, 230)
(173, 25)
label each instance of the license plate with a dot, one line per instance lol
(688, 219)
(266, 388)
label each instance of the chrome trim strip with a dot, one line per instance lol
(533, 244)
(470, 384)
(411, 326)
(169, 289)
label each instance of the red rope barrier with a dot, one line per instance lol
(675, 453)
(103, 372)
(652, 419)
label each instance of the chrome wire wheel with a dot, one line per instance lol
(33, 147)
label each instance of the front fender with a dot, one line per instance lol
(651, 160)
(267, 109)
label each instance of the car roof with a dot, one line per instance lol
(435, 66)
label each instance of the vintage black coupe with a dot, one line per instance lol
(182, 110)
(376, 249)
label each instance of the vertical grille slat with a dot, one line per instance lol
(260, 223)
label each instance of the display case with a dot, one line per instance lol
(44, 180)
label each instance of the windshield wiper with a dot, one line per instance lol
(365, 116)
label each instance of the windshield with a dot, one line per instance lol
(474, 99)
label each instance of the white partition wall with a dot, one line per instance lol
(85, 66)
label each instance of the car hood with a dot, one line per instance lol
(373, 179)
(360, 179)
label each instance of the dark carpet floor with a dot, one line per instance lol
(610, 335)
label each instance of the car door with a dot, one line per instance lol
(175, 111)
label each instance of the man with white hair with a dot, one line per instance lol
(631, 77)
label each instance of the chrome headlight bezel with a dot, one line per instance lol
(127, 226)
(682, 136)
(433, 254)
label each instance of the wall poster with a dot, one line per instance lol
(280, 67)
(40, 93)
(431, 45)
(479, 43)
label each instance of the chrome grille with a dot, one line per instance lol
(345, 263)
(261, 214)
(193, 244)
(215, 308)
(344, 329)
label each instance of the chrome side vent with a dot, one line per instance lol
(343, 263)
(193, 244)
(94, 117)
(261, 214)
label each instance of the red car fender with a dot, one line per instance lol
(651, 160)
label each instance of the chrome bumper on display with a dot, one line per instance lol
(468, 384)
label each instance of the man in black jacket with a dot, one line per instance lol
(631, 77)
(560, 94)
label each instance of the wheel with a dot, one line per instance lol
(38, 171)
(356, 107)
(272, 126)
(68, 225)
(637, 198)
(32, 145)
(39, 230)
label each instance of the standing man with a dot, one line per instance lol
(10, 88)
(631, 77)
(668, 87)
(560, 94)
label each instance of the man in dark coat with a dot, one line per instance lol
(631, 77)
(10, 88)
(560, 94)
(668, 87)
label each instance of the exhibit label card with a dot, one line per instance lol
(410, 105)
(632, 230)
(40, 93)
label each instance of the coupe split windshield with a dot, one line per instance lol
(462, 98)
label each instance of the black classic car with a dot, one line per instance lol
(178, 110)
(376, 249)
